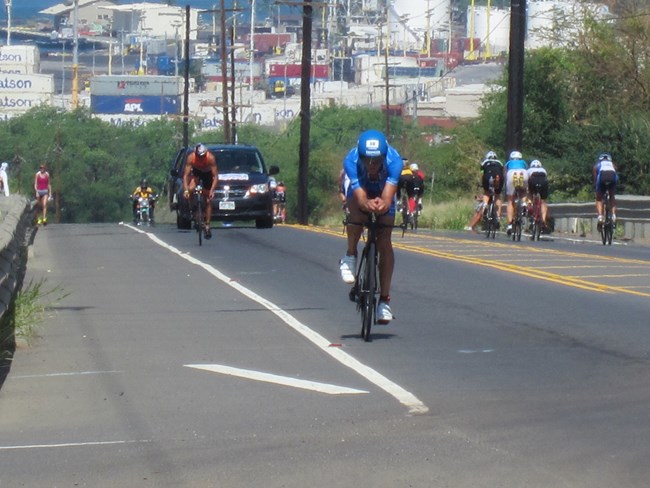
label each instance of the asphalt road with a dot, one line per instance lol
(509, 364)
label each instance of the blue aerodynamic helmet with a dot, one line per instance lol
(372, 143)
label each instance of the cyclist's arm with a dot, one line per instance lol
(186, 176)
(215, 176)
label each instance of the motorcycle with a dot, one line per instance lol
(143, 209)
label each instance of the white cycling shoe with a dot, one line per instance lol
(384, 313)
(347, 267)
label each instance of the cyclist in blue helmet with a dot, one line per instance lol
(373, 168)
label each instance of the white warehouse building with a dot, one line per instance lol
(548, 23)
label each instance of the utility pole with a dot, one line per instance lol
(186, 90)
(233, 103)
(8, 5)
(386, 74)
(515, 110)
(305, 113)
(224, 76)
(75, 57)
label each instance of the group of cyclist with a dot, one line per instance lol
(372, 176)
(521, 178)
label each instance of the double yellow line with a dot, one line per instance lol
(501, 265)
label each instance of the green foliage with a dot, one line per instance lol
(591, 97)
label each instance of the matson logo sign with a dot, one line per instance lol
(26, 83)
(8, 83)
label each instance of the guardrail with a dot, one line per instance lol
(632, 213)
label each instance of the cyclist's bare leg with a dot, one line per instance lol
(356, 216)
(386, 255)
(208, 208)
(599, 204)
(511, 208)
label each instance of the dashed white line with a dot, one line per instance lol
(279, 380)
(70, 444)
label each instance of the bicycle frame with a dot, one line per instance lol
(490, 217)
(607, 228)
(518, 221)
(536, 217)
(197, 213)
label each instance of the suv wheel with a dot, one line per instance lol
(265, 223)
(183, 223)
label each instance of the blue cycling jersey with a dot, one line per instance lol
(516, 164)
(356, 171)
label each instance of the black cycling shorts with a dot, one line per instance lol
(204, 177)
(539, 183)
(496, 172)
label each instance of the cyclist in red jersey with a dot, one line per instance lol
(201, 167)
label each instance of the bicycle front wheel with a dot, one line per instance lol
(367, 291)
(199, 219)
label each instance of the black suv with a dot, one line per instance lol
(242, 192)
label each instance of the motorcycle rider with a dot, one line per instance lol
(144, 191)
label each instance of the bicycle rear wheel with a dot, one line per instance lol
(537, 218)
(517, 224)
(367, 290)
(405, 211)
(606, 227)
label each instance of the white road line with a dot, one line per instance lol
(51, 375)
(69, 444)
(406, 398)
(279, 380)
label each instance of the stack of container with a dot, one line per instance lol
(21, 85)
(133, 94)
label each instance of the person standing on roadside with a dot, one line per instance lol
(4, 179)
(43, 190)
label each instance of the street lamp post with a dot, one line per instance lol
(8, 5)
(75, 53)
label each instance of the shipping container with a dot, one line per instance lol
(267, 42)
(29, 83)
(161, 105)
(22, 55)
(17, 69)
(128, 85)
(21, 102)
(318, 71)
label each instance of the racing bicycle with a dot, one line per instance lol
(607, 226)
(365, 291)
(520, 207)
(490, 217)
(198, 206)
(536, 216)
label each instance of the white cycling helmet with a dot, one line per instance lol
(414, 167)
(516, 155)
(490, 155)
(535, 164)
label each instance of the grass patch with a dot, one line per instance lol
(31, 306)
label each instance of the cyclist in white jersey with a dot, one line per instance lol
(605, 179)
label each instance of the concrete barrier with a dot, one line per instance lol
(16, 215)
(579, 219)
